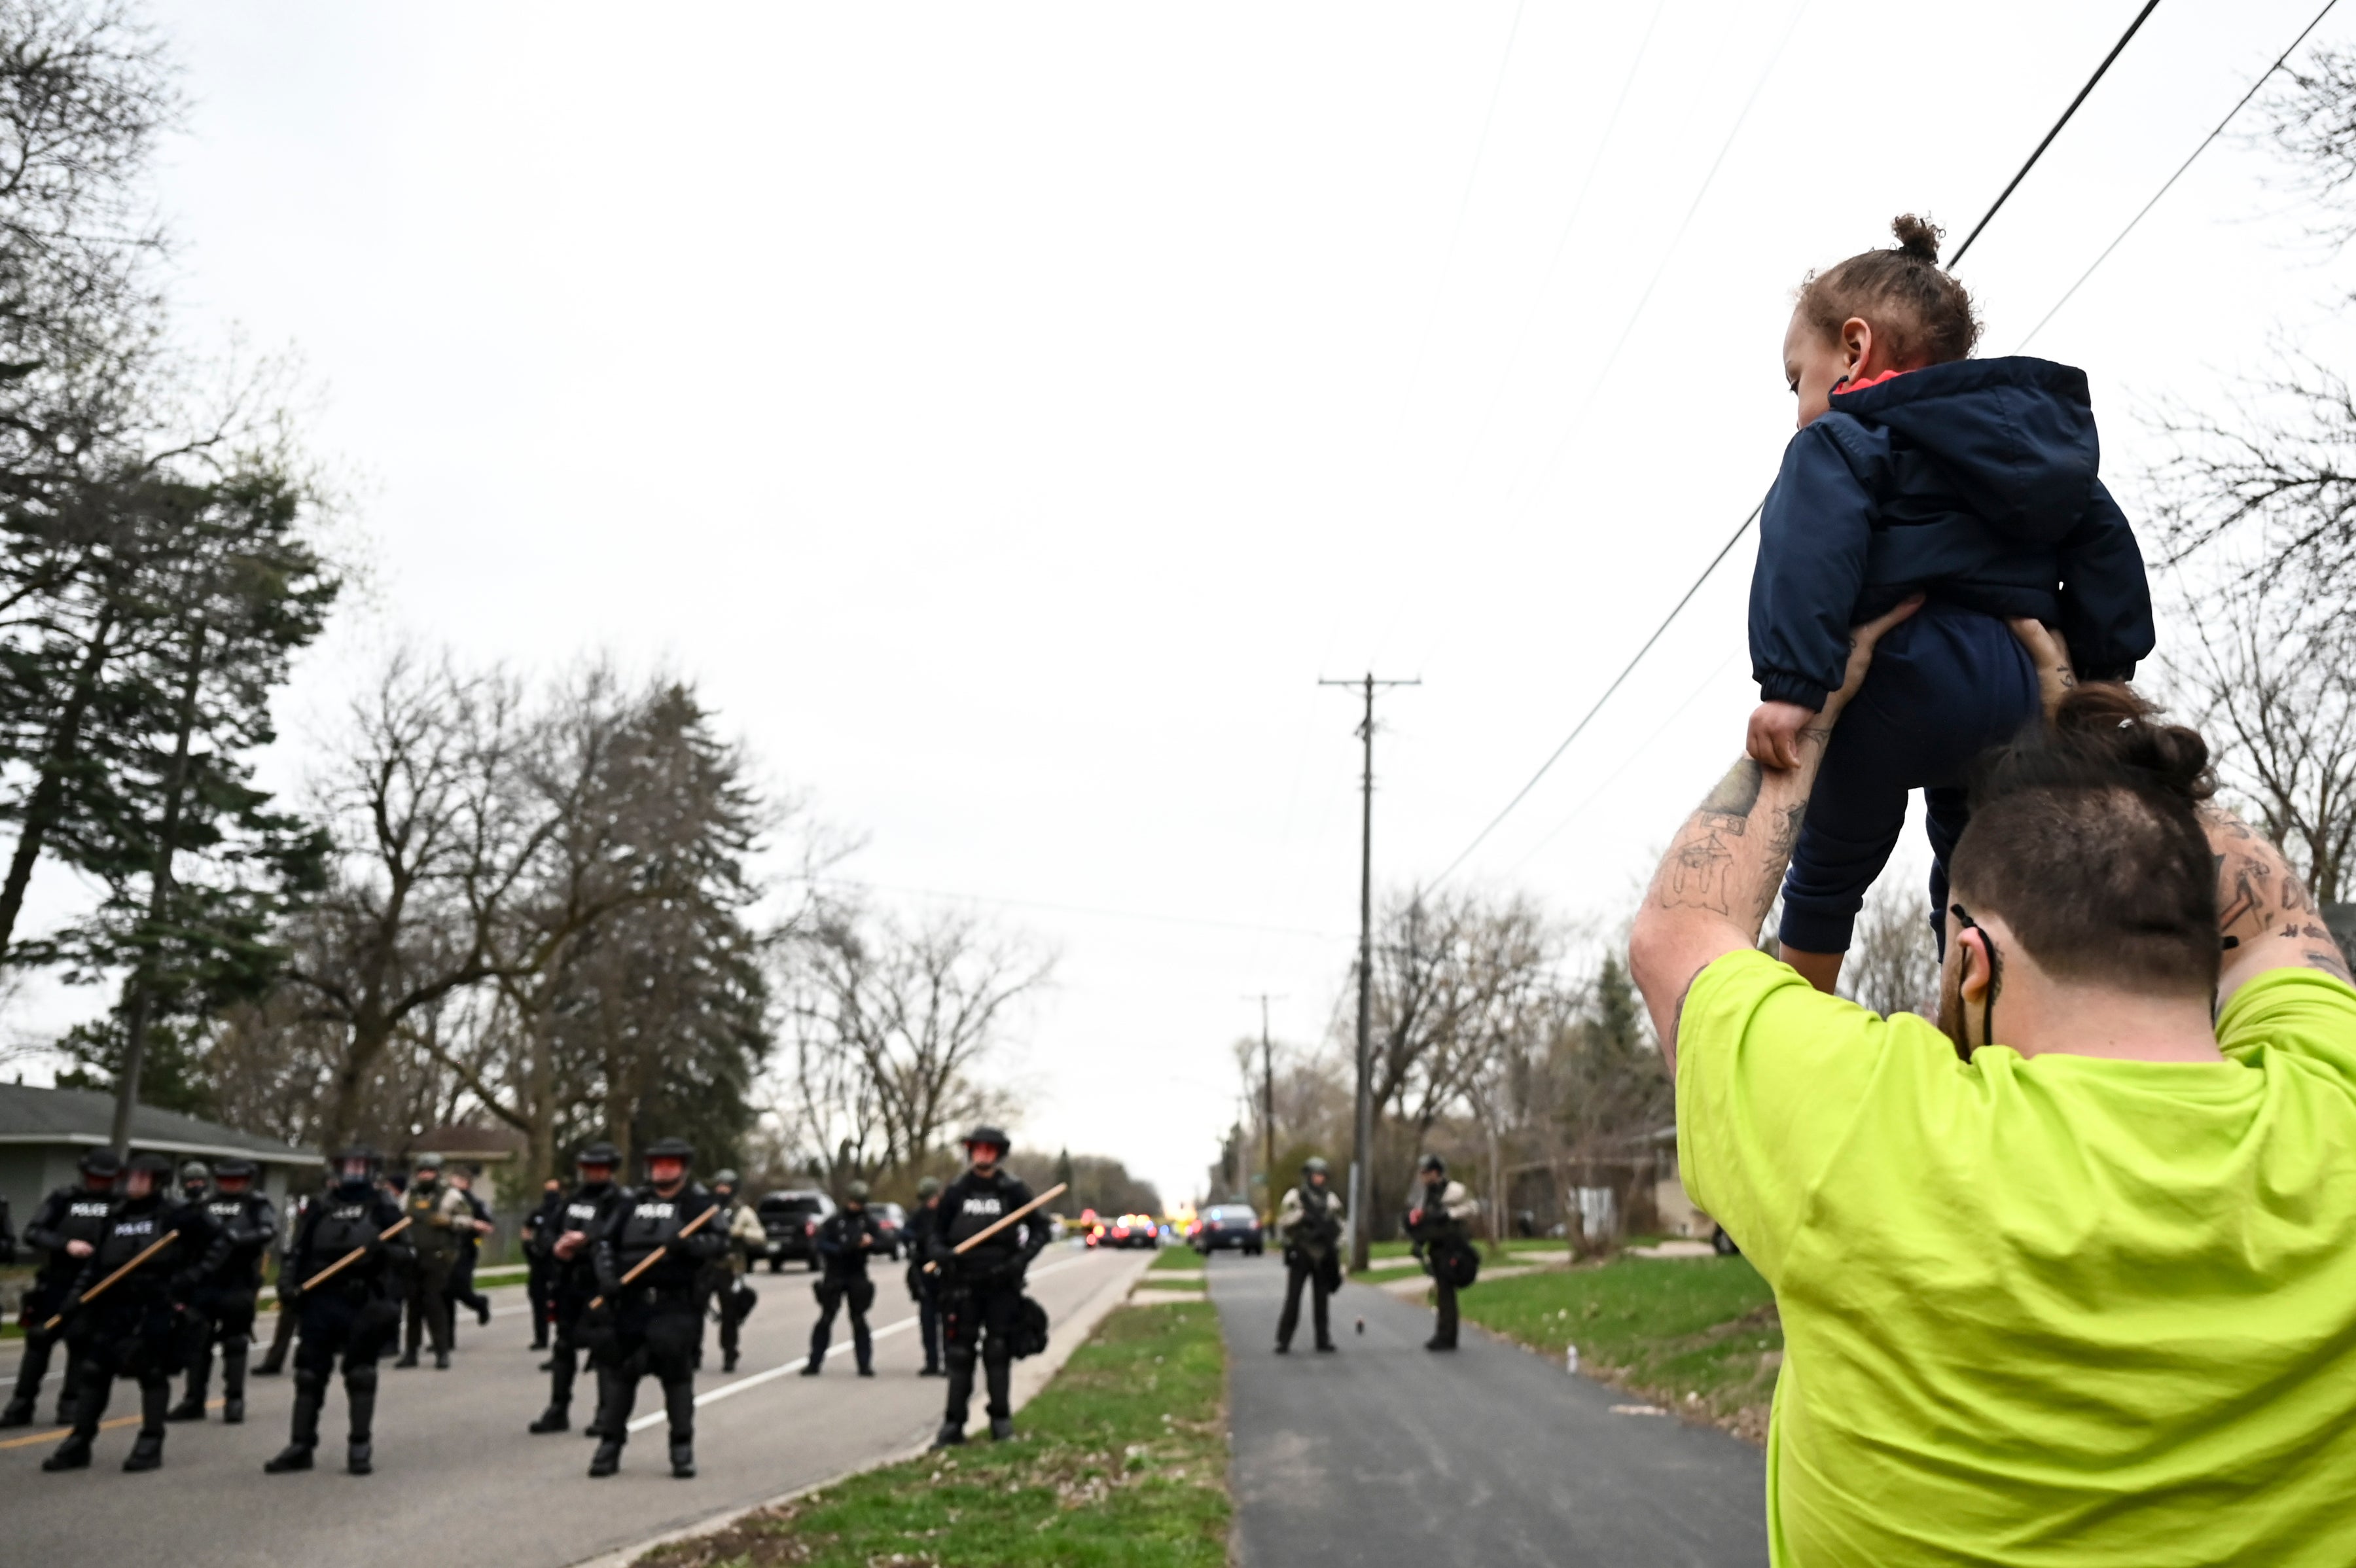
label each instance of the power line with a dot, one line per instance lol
(2015, 181)
(2263, 77)
(1463, 205)
(1733, 538)
(1523, 793)
(1077, 908)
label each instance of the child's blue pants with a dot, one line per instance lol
(1946, 684)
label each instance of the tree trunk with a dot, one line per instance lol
(46, 803)
(142, 983)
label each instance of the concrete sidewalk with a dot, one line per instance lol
(1388, 1452)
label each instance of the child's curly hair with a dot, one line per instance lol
(1926, 315)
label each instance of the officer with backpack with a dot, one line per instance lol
(984, 1315)
(1308, 1228)
(1440, 1223)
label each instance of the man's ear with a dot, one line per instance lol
(1973, 971)
(1857, 344)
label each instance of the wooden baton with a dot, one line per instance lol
(151, 1249)
(649, 1261)
(355, 1255)
(978, 1237)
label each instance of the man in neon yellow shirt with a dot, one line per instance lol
(2070, 1277)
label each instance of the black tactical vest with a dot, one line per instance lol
(240, 1211)
(343, 1224)
(650, 1220)
(81, 1218)
(580, 1211)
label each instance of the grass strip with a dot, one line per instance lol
(1122, 1464)
(1699, 1334)
(1176, 1260)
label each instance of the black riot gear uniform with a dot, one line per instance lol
(572, 1281)
(846, 1240)
(982, 1290)
(220, 1310)
(131, 1330)
(652, 1325)
(540, 1269)
(281, 1335)
(925, 1288)
(68, 1215)
(354, 1314)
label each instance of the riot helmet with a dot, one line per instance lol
(928, 1189)
(854, 1194)
(194, 1177)
(146, 1175)
(597, 1156)
(425, 1170)
(1315, 1171)
(669, 1160)
(726, 1178)
(99, 1168)
(233, 1175)
(356, 1167)
(991, 1138)
(1432, 1167)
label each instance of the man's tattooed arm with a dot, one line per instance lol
(2265, 916)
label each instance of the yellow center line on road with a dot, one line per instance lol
(55, 1433)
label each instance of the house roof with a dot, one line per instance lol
(472, 1143)
(86, 1117)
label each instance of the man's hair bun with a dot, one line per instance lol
(2107, 721)
(1917, 237)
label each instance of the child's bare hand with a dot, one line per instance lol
(1775, 739)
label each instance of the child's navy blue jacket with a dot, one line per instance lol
(1972, 482)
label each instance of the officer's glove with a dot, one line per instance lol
(289, 1294)
(703, 1246)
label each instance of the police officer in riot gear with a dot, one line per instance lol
(65, 1227)
(725, 1278)
(435, 1211)
(196, 1181)
(132, 1329)
(222, 1306)
(1439, 1224)
(282, 1333)
(1308, 1228)
(540, 1269)
(846, 1240)
(354, 1314)
(564, 1243)
(925, 1288)
(651, 1323)
(982, 1290)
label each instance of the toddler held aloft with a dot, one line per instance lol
(1919, 471)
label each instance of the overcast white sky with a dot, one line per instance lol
(1007, 414)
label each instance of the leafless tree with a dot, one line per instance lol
(893, 1030)
(1893, 964)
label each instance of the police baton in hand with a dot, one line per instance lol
(354, 1256)
(649, 1261)
(153, 1248)
(978, 1237)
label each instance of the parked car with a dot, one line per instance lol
(791, 1219)
(892, 1222)
(1132, 1230)
(1230, 1225)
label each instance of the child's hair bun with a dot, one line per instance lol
(1917, 237)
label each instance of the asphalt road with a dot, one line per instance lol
(1485, 1457)
(460, 1480)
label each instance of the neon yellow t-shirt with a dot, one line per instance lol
(2050, 1310)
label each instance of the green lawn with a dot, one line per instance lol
(1669, 1328)
(1178, 1260)
(1123, 1463)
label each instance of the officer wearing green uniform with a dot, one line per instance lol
(435, 1211)
(1308, 1228)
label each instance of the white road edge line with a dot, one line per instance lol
(725, 1389)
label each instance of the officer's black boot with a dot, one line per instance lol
(862, 1346)
(29, 1373)
(233, 1381)
(303, 1435)
(555, 1418)
(154, 1401)
(608, 1383)
(1000, 1373)
(960, 1397)
(360, 1387)
(617, 1416)
(200, 1376)
(678, 1403)
(90, 1409)
(70, 1389)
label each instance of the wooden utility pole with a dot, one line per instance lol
(1266, 1094)
(1361, 1179)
